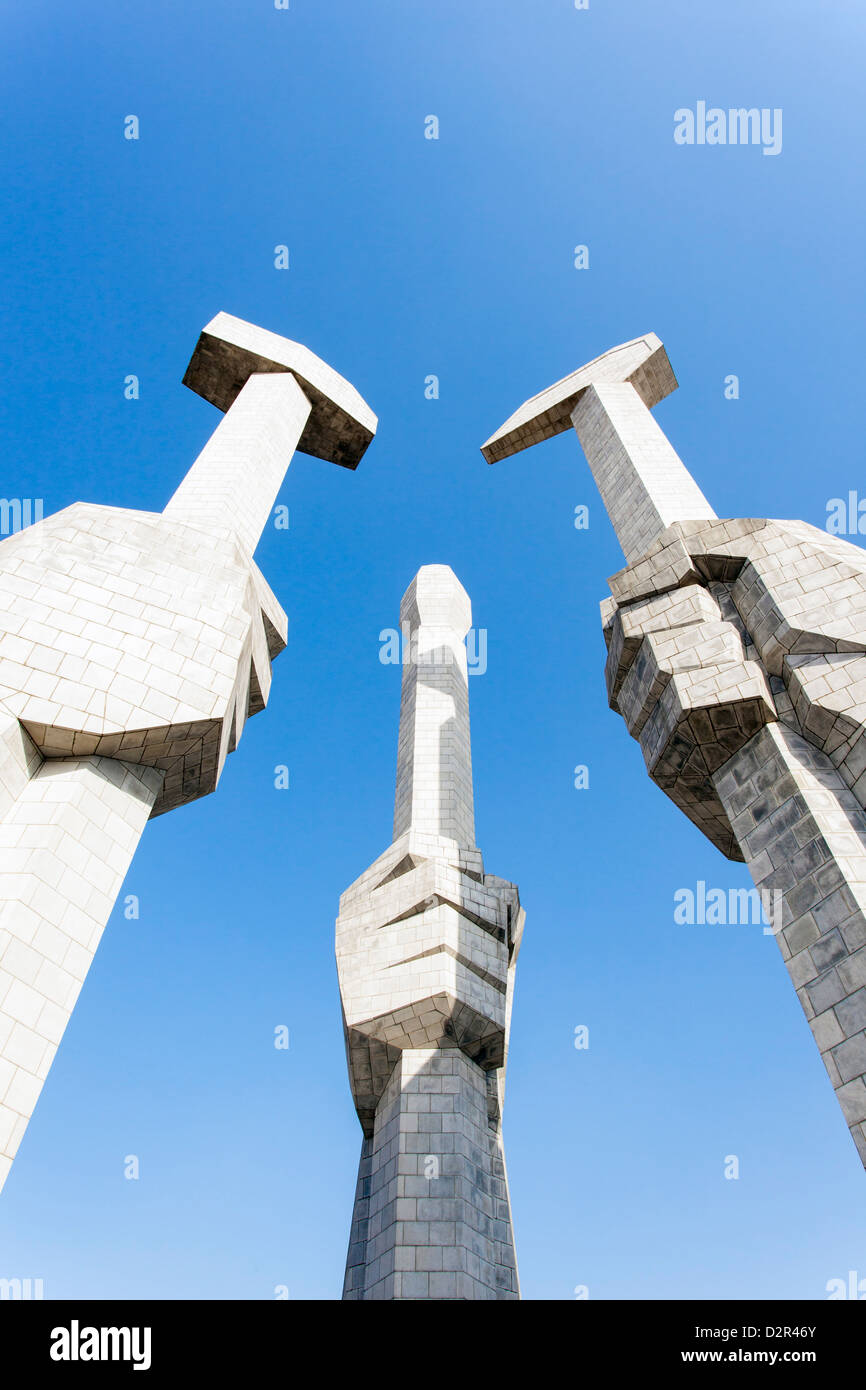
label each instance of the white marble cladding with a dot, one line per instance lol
(737, 657)
(423, 949)
(643, 482)
(643, 363)
(432, 1218)
(133, 647)
(129, 635)
(230, 351)
(66, 841)
(434, 760)
(234, 481)
(426, 945)
(803, 835)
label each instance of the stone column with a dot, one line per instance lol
(803, 836)
(434, 758)
(133, 648)
(427, 945)
(234, 482)
(737, 658)
(66, 844)
(643, 482)
(434, 1221)
(751, 720)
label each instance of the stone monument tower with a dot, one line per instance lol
(737, 658)
(427, 945)
(133, 647)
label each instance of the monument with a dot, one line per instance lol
(427, 946)
(133, 647)
(736, 654)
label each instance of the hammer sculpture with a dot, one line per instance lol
(737, 657)
(133, 646)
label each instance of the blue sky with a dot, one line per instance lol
(411, 257)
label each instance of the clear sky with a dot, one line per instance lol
(453, 257)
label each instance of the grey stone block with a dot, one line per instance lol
(850, 1057)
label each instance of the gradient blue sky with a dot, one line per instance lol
(454, 257)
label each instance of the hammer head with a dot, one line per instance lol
(642, 362)
(229, 351)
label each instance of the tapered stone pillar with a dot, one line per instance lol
(737, 658)
(427, 945)
(133, 647)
